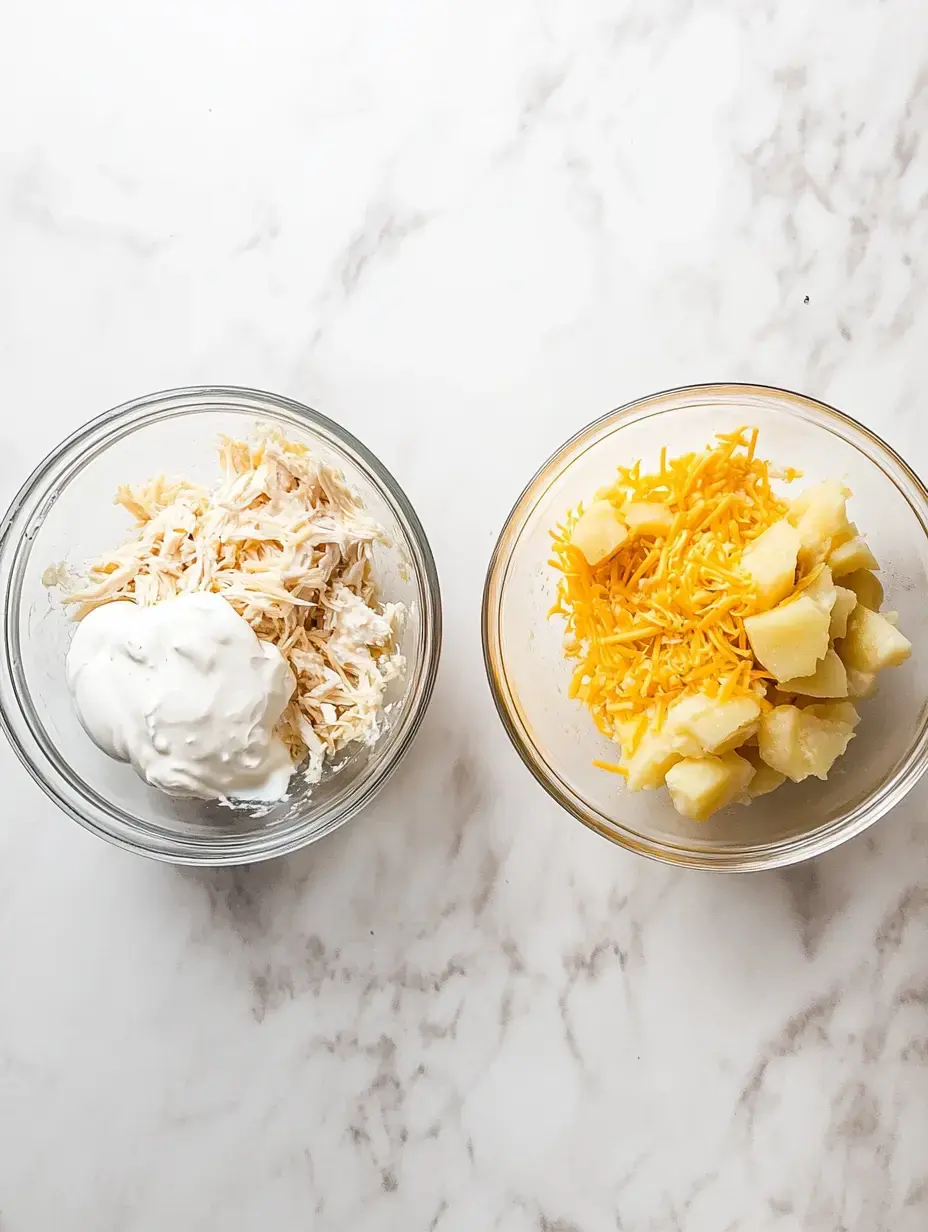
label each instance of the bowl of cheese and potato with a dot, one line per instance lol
(702, 626)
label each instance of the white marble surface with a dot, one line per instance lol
(465, 230)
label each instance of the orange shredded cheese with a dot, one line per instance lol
(665, 615)
(611, 767)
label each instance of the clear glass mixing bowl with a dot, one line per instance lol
(556, 737)
(64, 513)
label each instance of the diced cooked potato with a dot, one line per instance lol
(842, 536)
(860, 684)
(650, 762)
(800, 743)
(778, 740)
(765, 780)
(845, 602)
(835, 712)
(790, 639)
(871, 642)
(828, 680)
(770, 562)
(701, 786)
(647, 518)
(819, 514)
(700, 724)
(823, 742)
(866, 587)
(823, 591)
(625, 732)
(892, 617)
(599, 532)
(850, 557)
(830, 490)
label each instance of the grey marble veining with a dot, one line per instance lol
(464, 231)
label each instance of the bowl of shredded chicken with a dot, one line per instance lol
(285, 542)
(258, 639)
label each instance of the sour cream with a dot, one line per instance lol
(187, 693)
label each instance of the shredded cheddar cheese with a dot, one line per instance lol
(664, 616)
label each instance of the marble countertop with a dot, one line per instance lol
(464, 230)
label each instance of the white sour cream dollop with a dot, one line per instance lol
(187, 693)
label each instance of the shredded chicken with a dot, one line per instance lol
(287, 543)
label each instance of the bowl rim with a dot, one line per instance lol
(27, 512)
(750, 858)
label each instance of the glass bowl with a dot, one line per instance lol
(64, 513)
(529, 676)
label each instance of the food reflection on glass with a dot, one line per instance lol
(722, 632)
(238, 635)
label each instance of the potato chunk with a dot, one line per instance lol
(700, 724)
(823, 742)
(765, 780)
(700, 786)
(651, 760)
(800, 743)
(770, 562)
(845, 602)
(790, 639)
(828, 680)
(871, 642)
(625, 732)
(835, 712)
(866, 587)
(850, 557)
(860, 684)
(848, 532)
(647, 518)
(823, 591)
(819, 514)
(778, 740)
(599, 532)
